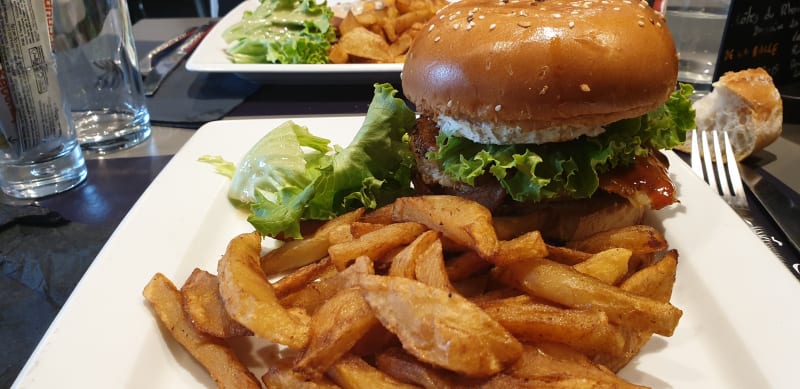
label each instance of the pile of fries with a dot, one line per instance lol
(381, 31)
(429, 291)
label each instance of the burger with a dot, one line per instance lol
(555, 110)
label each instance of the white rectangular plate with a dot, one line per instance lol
(739, 327)
(210, 57)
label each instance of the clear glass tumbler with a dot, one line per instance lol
(94, 46)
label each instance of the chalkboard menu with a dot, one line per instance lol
(762, 33)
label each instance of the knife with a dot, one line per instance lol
(146, 63)
(167, 64)
(784, 210)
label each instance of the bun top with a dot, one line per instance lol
(537, 64)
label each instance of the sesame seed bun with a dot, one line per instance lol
(537, 65)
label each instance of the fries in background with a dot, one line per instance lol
(425, 293)
(381, 31)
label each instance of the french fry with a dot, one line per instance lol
(555, 362)
(363, 43)
(465, 222)
(525, 247)
(374, 244)
(564, 285)
(466, 265)
(404, 262)
(303, 276)
(429, 267)
(640, 239)
(609, 266)
(566, 255)
(407, 308)
(404, 367)
(296, 253)
(203, 305)
(382, 215)
(655, 281)
(352, 372)
(314, 294)
(280, 377)
(250, 299)
(335, 328)
(588, 331)
(213, 353)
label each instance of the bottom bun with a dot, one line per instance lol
(568, 220)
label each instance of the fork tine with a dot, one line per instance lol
(697, 165)
(709, 167)
(733, 172)
(723, 177)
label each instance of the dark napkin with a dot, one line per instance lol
(42, 258)
(190, 99)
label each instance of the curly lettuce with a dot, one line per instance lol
(282, 31)
(567, 169)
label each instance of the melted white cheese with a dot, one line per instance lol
(490, 133)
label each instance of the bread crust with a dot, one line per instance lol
(747, 105)
(540, 64)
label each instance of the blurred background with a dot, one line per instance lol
(140, 9)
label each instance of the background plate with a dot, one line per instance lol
(739, 327)
(210, 57)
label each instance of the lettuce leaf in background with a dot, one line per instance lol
(292, 175)
(571, 169)
(282, 31)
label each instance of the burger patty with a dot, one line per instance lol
(430, 179)
(645, 183)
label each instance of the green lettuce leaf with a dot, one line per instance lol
(568, 169)
(282, 31)
(291, 175)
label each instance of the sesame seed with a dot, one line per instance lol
(469, 26)
(641, 23)
(556, 16)
(523, 13)
(543, 90)
(615, 8)
(449, 103)
(658, 24)
(430, 28)
(574, 13)
(441, 17)
(642, 5)
(524, 24)
(456, 26)
(492, 26)
(585, 88)
(437, 39)
(571, 24)
(481, 17)
(498, 107)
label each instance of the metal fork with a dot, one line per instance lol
(727, 182)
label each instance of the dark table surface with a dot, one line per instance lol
(85, 217)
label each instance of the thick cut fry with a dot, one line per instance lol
(363, 43)
(424, 318)
(429, 267)
(316, 293)
(609, 266)
(204, 307)
(465, 266)
(301, 277)
(558, 363)
(352, 372)
(374, 244)
(404, 263)
(588, 331)
(280, 375)
(525, 247)
(335, 328)
(465, 222)
(654, 281)
(566, 255)
(640, 239)
(382, 215)
(213, 353)
(250, 299)
(296, 253)
(404, 367)
(564, 285)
